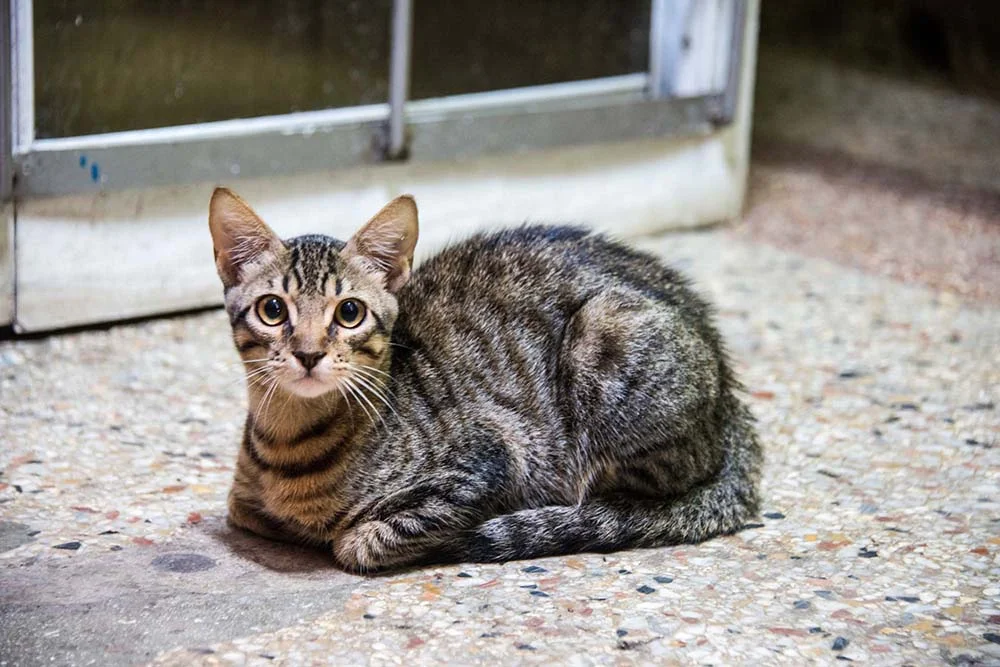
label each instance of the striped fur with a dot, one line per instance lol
(530, 392)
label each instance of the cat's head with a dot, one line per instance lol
(312, 314)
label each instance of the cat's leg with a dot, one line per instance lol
(641, 386)
(246, 513)
(429, 528)
(249, 518)
(665, 452)
(409, 526)
(718, 506)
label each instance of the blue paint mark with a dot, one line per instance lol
(83, 161)
(95, 173)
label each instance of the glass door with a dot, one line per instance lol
(125, 94)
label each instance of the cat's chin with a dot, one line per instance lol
(308, 387)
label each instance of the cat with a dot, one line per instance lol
(529, 392)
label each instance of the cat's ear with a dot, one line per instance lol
(385, 244)
(238, 235)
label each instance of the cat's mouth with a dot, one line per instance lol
(309, 386)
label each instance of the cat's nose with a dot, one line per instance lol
(309, 359)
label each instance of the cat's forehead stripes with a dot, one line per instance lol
(313, 260)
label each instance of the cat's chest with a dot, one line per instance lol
(306, 496)
(302, 480)
(307, 507)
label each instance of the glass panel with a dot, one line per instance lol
(110, 65)
(469, 46)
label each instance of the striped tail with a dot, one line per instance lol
(721, 506)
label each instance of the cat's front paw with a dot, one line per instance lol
(367, 548)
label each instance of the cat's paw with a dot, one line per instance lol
(366, 548)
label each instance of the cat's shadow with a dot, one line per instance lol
(276, 556)
(290, 558)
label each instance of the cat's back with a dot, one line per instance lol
(493, 311)
(511, 261)
(534, 271)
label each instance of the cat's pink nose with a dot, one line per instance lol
(309, 359)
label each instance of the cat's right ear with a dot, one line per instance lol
(238, 235)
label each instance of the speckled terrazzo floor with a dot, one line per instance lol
(879, 542)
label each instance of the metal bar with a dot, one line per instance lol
(734, 72)
(615, 88)
(612, 89)
(306, 122)
(6, 116)
(303, 122)
(399, 76)
(289, 143)
(668, 43)
(23, 89)
(658, 81)
(460, 135)
(213, 152)
(7, 168)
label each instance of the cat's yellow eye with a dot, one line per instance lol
(350, 313)
(271, 310)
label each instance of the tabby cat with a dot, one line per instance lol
(528, 392)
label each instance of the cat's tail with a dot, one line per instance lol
(719, 507)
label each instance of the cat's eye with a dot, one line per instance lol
(271, 310)
(349, 313)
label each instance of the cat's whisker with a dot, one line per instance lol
(377, 392)
(347, 401)
(270, 398)
(253, 376)
(364, 397)
(254, 369)
(356, 393)
(364, 401)
(379, 383)
(265, 398)
(369, 368)
(382, 384)
(254, 381)
(375, 409)
(380, 398)
(257, 371)
(248, 365)
(260, 401)
(274, 392)
(256, 412)
(362, 371)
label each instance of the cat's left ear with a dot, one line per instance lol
(385, 244)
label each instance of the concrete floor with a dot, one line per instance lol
(879, 539)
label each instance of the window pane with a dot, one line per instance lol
(468, 46)
(110, 65)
